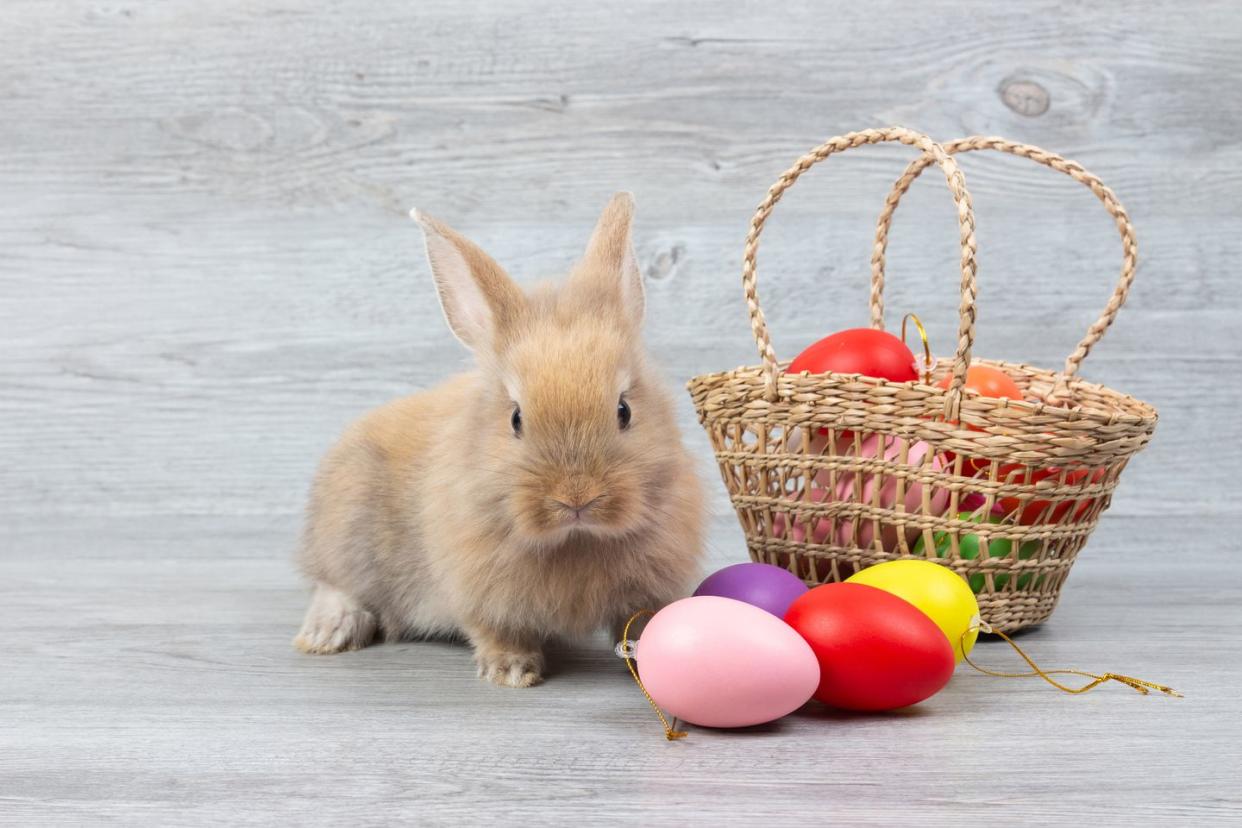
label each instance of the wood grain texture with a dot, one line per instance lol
(148, 678)
(206, 271)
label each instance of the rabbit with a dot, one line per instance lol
(544, 494)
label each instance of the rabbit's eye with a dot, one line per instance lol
(515, 420)
(623, 414)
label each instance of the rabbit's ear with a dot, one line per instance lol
(609, 270)
(479, 299)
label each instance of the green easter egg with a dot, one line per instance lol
(968, 549)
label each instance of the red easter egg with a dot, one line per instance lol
(876, 651)
(865, 351)
(1044, 511)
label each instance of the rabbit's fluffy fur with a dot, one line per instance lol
(517, 502)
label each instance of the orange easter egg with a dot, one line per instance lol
(988, 382)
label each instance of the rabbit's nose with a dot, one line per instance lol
(577, 494)
(576, 505)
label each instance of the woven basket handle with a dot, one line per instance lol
(1048, 159)
(966, 232)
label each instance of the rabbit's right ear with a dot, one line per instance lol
(479, 299)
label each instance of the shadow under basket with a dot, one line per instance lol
(832, 473)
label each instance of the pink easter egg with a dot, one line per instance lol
(815, 494)
(718, 662)
(857, 487)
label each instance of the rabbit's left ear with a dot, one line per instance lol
(608, 273)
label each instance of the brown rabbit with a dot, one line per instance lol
(545, 493)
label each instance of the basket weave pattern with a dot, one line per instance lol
(831, 473)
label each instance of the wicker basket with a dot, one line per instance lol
(831, 473)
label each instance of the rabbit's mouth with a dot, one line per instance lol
(598, 514)
(577, 512)
(580, 501)
(598, 504)
(586, 513)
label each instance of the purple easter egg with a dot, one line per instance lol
(765, 586)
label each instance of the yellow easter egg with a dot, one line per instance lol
(942, 595)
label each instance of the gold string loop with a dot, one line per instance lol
(928, 362)
(1136, 684)
(624, 650)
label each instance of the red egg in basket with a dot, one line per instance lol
(866, 351)
(1030, 512)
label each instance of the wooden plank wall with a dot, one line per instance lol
(206, 269)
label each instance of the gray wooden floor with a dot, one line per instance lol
(148, 679)
(206, 271)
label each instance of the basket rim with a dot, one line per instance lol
(1130, 410)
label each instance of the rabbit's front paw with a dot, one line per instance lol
(509, 668)
(334, 623)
